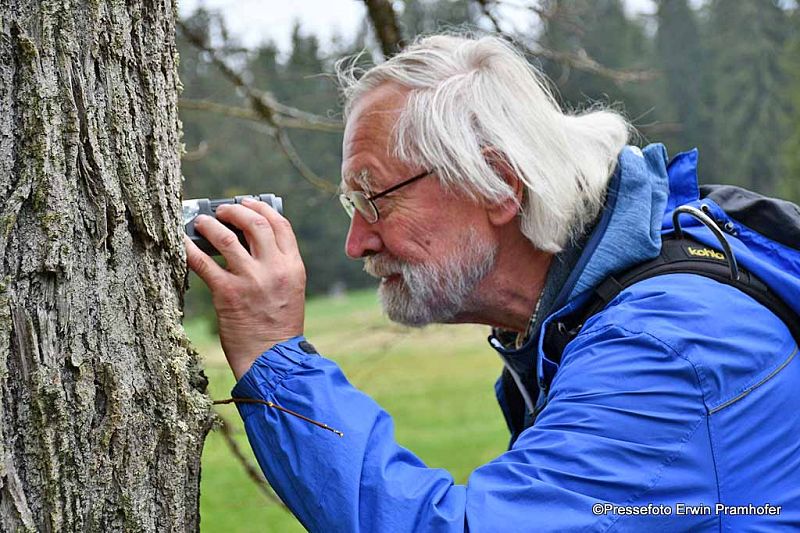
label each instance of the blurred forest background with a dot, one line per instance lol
(721, 75)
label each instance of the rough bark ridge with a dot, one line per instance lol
(102, 411)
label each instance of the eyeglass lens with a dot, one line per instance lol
(357, 200)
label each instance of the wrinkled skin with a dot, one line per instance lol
(260, 297)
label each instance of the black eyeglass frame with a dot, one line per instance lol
(350, 205)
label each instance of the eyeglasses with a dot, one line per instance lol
(358, 201)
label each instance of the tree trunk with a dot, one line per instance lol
(102, 405)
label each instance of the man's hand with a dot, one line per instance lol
(260, 298)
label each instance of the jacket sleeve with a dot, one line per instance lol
(610, 432)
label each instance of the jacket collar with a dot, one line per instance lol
(627, 232)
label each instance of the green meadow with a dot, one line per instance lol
(437, 383)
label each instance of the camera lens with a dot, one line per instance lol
(191, 208)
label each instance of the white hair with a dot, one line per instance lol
(469, 96)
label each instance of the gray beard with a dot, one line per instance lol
(433, 293)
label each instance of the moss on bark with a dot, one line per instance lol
(103, 411)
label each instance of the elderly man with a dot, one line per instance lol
(474, 198)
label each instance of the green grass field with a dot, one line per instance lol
(437, 383)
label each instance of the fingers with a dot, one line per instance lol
(205, 267)
(283, 234)
(264, 228)
(224, 240)
(257, 230)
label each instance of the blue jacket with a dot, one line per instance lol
(683, 393)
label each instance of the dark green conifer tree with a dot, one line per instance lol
(789, 180)
(423, 16)
(227, 156)
(747, 38)
(602, 30)
(682, 60)
(317, 216)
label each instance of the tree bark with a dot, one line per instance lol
(102, 406)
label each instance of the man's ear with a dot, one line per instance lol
(505, 211)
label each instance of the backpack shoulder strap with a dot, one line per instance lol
(678, 256)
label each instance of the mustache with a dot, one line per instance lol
(380, 266)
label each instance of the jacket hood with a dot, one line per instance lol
(629, 229)
(628, 232)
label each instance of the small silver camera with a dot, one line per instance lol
(204, 206)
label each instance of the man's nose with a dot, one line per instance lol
(362, 238)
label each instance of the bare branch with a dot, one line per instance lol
(579, 60)
(221, 109)
(295, 118)
(273, 405)
(288, 149)
(660, 128)
(264, 106)
(564, 13)
(387, 29)
(299, 121)
(252, 472)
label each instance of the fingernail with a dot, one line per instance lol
(246, 201)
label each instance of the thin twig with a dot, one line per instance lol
(289, 150)
(579, 60)
(279, 408)
(252, 472)
(265, 106)
(221, 109)
(659, 128)
(245, 113)
(556, 10)
(295, 117)
(260, 99)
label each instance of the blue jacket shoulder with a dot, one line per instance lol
(730, 340)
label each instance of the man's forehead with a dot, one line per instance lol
(368, 134)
